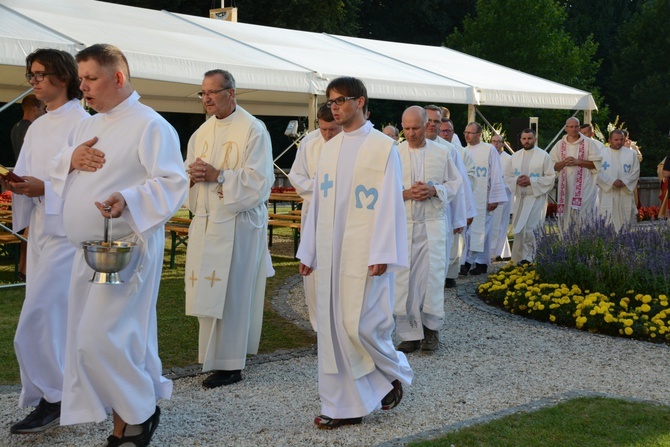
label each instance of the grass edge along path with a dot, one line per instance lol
(570, 419)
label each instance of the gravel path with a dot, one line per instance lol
(490, 363)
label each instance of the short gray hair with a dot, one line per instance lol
(228, 79)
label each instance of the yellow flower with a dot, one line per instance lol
(645, 308)
(628, 331)
(552, 318)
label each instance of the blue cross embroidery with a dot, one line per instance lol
(627, 168)
(534, 175)
(605, 166)
(326, 185)
(516, 172)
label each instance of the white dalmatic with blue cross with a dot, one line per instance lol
(618, 204)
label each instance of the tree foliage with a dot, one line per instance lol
(640, 79)
(330, 16)
(529, 36)
(423, 23)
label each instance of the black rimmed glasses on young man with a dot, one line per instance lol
(339, 101)
(38, 77)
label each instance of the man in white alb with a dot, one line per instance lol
(456, 211)
(356, 236)
(576, 161)
(500, 250)
(617, 178)
(530, 176)
(40, 336)
(489, 193)
(430, 182)
(229, 162)
(302, 179)
(469, 182)
(122, 163)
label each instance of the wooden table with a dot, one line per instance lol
(178, 228)
(9, 242)
(285, 197)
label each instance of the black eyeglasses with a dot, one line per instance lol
(38, 77)
(446, 131)
(201, 94)
(339, 101)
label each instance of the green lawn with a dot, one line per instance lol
(177, 333)
(582, 422)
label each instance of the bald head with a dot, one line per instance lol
(392, 132)
(572, 127)
(414, 120)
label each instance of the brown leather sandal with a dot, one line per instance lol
(393, 398)
(326, 423)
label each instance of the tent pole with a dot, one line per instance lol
(587, 116)
(313, 108)
(21, 96)
(471, 113)
(509, 149)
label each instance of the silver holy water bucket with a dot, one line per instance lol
(107, 257)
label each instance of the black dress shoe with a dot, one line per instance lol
(479, 269)
(464, 269)
(523, 262)
(449, 283)
(222, 378)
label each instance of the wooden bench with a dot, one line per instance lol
(178, 228)
(287, 221)
(9, 248)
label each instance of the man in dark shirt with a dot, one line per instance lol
(33, 108)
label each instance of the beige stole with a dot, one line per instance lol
(210, 246)
(434, 166)
(368, 178)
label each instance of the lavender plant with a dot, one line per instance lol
(601, 260)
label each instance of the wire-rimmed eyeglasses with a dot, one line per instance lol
(201, 94)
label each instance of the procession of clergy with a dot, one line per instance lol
(458, 202)
(451, 194)
(385, 227)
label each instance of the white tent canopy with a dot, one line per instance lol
(278, 71)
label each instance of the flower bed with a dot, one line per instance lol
(648, 213)
(596, 280)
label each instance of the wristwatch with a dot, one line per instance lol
(221, 178)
